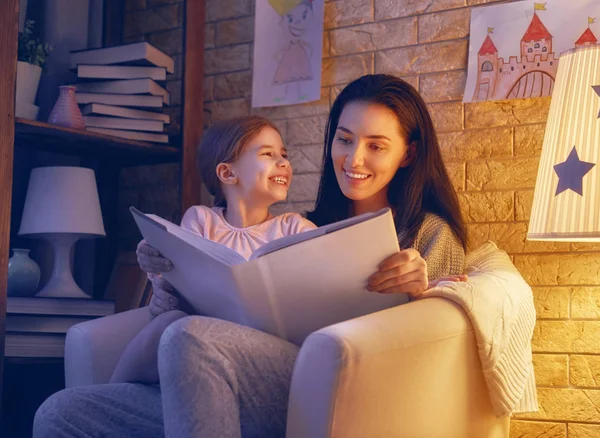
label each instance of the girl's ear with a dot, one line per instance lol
(226, 174)
(411, 153)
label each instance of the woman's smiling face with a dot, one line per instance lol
(368, 149)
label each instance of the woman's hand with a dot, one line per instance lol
(150, 260)
(405, 271)
(459, 277)
(163, 296)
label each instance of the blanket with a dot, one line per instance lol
(499, 304)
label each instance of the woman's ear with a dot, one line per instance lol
(226, 174)
(411, 153)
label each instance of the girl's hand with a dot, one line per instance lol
(150, 260)
(163, 296)
(405, 271)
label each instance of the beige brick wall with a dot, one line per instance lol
(491, 150)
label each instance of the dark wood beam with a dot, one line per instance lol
(114, 18)
(9, 31)
(193, 99)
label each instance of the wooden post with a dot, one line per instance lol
(193, 99)
(9, 31)
(114, 11)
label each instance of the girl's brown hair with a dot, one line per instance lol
(223, 142)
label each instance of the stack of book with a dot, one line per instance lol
(37, 327)
(121, 90)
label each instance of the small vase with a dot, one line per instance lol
(65, 111)
(23, 274)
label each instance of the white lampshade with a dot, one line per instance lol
(62, 200)
(566, 203)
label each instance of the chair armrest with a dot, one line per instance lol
(410, 371)
(93, 348)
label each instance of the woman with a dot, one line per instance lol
(221, 379)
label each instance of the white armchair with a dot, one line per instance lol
(408, 371)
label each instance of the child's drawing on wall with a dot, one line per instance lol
(287, 52)
(515, 47)
(294, 58)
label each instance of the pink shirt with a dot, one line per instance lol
(210, 223)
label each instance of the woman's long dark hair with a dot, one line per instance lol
(424, 186)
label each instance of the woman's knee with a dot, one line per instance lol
(194, 330)
(54, 417)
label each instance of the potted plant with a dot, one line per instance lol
(32, 56)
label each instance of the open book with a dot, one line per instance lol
(291, 286)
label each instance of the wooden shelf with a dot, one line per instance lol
(40, 135)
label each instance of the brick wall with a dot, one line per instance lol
(491, 150)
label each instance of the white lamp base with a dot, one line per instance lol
(62, 284)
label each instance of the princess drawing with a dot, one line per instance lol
(294, 59)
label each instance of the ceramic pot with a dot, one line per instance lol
(23, 274)
(65, 111)
(28, 79)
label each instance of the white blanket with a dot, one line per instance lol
(499, 304)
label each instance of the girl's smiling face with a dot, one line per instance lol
(295, 21)
(368, 149)
(263, 171)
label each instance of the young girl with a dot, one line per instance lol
(245, 167)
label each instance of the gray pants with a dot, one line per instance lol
(217, 379)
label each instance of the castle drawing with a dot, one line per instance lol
(531, 75)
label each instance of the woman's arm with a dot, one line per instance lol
(439, 246)
(436, 254)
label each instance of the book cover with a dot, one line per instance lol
(34, 345)
(122, 123)
(142, 53)
(135, 100)
(119, 111)
(121, 72)
(58, 306)
(290, 287)
(126, 86)
(42, 323)
(131, 135)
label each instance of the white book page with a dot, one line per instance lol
(216, 250)
(284, 242)
(322, 281)
(202, 270)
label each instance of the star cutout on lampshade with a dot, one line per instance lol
(597, 90)
(571, 172)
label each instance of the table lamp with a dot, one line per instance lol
(62, 206)
(566, 202)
